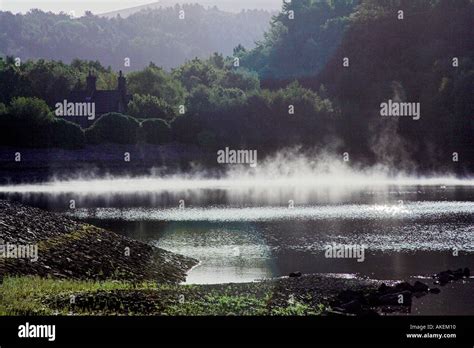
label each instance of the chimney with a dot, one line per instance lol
(122, 84)
(90, 83)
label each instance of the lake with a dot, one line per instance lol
(248, 230)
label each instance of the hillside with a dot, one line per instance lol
(223, 5)
(158, 35)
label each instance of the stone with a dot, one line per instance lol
(295, 274)
(420, 287)
(458, 274)
(404, 286)
(444, 277)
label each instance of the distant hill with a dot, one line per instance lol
(223, 5)
(156, 35)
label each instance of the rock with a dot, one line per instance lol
(435, 291)
(402, 298)
(458, 274)
(404, 286)
(295, 274)
(420, 287)
(445, 277)
(383, 288)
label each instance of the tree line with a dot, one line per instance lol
(370, 53)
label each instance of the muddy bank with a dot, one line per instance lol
(308, 295)
(47, 244)
(313, 294)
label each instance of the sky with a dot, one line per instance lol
(102, 6)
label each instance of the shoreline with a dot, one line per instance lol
(68, 249)
(86, 270)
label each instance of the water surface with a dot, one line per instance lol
(247, 230)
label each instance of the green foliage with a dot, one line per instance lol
(156, 82)
(225, 105)
(155, 131)
(51, 81)
(66, 134)
(300, 46)
(155, 33)
(149, 106)
(24, 295)
(412, 61)
(297, 309)
(241, 79)
(113, 128)
(28, 122)
(46, 296)
(231, 116)
(197, 72)
(3, 109)
(29, 111)
(221, 305)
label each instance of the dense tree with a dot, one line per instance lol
(155, 131)
(29, 111)
(156, 82)
(301, 39)
(28, 122)
(149, 106)
(307, 97)
(424, 57)
(158, 35)
(113, 128)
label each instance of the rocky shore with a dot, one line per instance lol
(85, 270)
(73, 250)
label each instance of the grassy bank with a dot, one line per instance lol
(46, 296)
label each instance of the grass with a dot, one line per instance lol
(25, 295)
(32, 295)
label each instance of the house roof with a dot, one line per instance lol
(105, 101)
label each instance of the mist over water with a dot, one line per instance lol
(250, 223)
(287, 170)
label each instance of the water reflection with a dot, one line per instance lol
(246, 230)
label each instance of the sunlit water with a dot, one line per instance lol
(248, 229)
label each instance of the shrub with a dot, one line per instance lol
(149, 106)
(30, 111)
(113, 128)
(3, 109)
(65, 134)
(155, 131)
